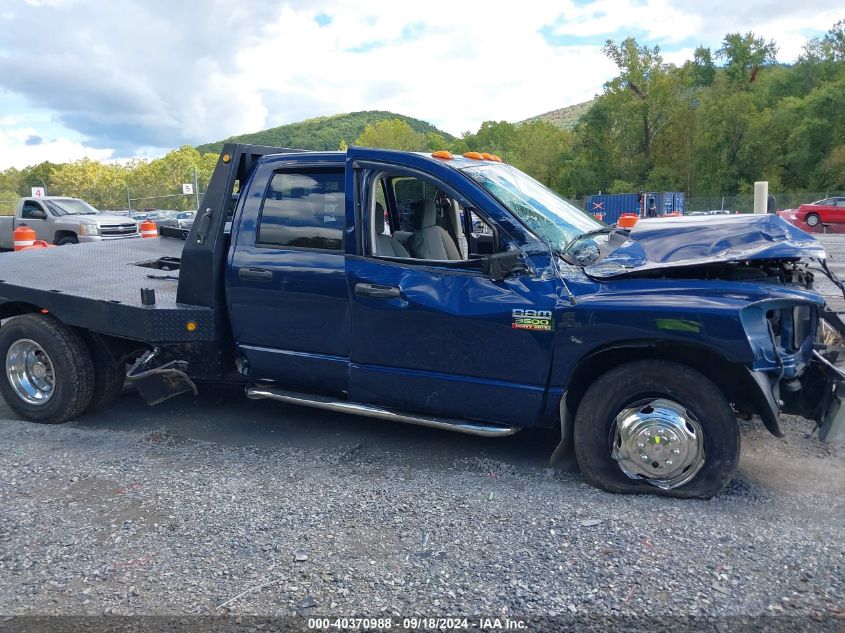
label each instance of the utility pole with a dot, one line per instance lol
(128, 199)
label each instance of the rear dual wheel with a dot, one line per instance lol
(51, 373)
(657, 427)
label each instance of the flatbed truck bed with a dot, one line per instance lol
(98, 287)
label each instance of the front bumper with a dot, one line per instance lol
(84, 239)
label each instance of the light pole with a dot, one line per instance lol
(196, 188)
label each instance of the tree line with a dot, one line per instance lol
(149, 184)
(713, 125)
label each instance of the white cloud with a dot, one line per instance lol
(14, 151)
(126, 78)
(471, 63)
(657, 18)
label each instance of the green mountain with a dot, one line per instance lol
(322, 133)
(564, 118)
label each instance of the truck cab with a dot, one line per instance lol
(386, 297)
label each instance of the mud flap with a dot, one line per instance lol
(157, 384)
(832, 425)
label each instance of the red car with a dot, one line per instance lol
(827, 211)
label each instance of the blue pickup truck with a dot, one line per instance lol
(449, 291)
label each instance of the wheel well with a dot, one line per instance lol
(16, 308)
(733, 379)
(119, 348)
(62, 234)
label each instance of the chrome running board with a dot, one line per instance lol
(342, 406)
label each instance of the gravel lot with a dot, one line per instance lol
(181, 508)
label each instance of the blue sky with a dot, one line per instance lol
(196, 71)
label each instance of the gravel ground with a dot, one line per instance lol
(95, 519)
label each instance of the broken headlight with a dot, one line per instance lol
(791, 326)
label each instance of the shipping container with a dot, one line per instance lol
(615, 204)
(680, 200)
(673, 202)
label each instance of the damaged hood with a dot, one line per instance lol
(667, 243)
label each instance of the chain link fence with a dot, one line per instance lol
(744, 202)
(176, 202)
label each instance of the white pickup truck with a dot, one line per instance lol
(59, 220)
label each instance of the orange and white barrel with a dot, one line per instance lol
(148, 229)
(23, 237)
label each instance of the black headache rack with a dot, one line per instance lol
(165, 294)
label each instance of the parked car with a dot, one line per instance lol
(156, 215)
(827, 211)
(179, 219)
(61, 221)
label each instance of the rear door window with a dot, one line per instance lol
(304, 209)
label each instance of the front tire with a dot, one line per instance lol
(628, 411)
(67, 241)
(48, 374)
(813, 220)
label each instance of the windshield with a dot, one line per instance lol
(545, 213)
(71, 206)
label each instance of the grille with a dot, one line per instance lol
(118, 229)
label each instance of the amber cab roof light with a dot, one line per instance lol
(482, 156)
(442, 153)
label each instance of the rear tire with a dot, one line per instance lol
(635, 382)
(813, 219)
(67, 390)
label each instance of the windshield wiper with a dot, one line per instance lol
(575, 240)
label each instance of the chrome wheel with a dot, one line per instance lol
(30, 372)
(812, 219)
(659, 441)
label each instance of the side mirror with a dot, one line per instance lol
(38, 214)
(500, 266)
